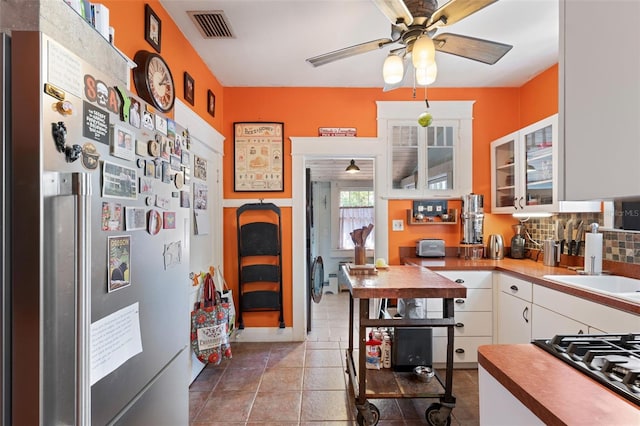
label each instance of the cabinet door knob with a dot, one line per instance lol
(515, 203)
(525, 314)
(459, 280)
(459, 301)
(514, 287)
(459, 351)
(459, 325)
(520, 202)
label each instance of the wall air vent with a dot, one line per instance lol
(211, 23)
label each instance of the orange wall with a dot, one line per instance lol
(127, 18)
(497, 111)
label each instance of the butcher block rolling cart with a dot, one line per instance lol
(392, 283)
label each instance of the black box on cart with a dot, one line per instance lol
(412, 347)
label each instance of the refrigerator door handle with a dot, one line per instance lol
(81, 188)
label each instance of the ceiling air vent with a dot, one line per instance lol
(211, 23)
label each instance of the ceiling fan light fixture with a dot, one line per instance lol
(393, 69)
(352, 168)
(426, 76)
(424, 52)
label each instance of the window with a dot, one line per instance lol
(427, 161)
(355, 211)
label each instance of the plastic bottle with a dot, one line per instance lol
(386, 351)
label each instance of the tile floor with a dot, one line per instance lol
(304, 383)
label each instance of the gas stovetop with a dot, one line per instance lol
(613, 360)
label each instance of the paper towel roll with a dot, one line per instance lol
(593, 253)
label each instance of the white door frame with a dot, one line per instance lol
(302, 149)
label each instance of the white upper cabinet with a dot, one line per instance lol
(433, 161)
(600, 98)
(525, 172)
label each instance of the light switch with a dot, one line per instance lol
(397, 225)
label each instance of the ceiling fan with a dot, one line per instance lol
(413, 19)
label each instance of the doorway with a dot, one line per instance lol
(338, 201)
(304, 150)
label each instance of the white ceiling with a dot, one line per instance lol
(274, 37)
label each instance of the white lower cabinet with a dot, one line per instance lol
(473, 315)
(498, 406)
(514, 310)
(529, 311)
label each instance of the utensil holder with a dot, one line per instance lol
(359, 255)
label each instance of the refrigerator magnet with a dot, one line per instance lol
(178, 180)
(90, 156)
(123, 143)
(119, 252)
(154, 148)
(154, 222)
(169, 221)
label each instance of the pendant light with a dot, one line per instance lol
(393, 69)
(352, 168)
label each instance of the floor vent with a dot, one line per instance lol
(211, 23)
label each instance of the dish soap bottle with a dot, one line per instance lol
(517, 242)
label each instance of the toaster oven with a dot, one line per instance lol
(430, 248)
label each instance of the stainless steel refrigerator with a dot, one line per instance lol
(95, 320)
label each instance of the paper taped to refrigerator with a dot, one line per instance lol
(114, 339)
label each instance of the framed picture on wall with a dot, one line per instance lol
(258, 156)
(152, 28)
(189, 88)
(211, 103)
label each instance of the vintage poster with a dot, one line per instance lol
(119, 258)
(258, 157)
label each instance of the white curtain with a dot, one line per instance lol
(354, 218)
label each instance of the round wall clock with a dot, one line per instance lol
(153, 80)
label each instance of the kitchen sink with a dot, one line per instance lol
(614, 285)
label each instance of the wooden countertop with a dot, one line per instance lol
(525, 269)
(554, 391)
(403, 282)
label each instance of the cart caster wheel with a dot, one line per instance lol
(375, 416)
(435, 417)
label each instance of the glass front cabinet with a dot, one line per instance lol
(524, 169)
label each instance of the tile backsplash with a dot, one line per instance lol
(619, 246)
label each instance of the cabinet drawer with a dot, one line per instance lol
(465, 349)
(545, 324)
(478, 299)
(471, 324)
(516, 287)
(470, 279)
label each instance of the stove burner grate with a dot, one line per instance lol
(612, 360)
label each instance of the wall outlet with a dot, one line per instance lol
(397, 225)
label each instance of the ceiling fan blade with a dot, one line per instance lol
(407, 65)
(486, 51)
(455, 11)
(349, 51)
(395, 11)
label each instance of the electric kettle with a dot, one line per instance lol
(495, 247)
